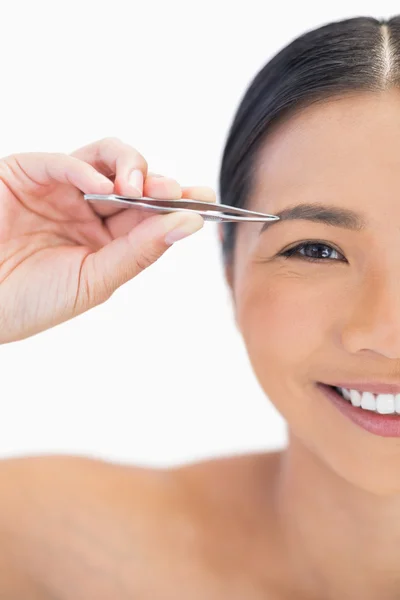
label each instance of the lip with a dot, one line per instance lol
(365, 386)
(381, 425)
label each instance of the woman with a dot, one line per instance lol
(316, 139)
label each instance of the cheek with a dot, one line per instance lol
(283, 320)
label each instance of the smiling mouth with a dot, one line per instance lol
(378, 414)
(383, 404)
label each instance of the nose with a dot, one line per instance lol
(374, 323)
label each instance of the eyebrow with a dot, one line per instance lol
(321, 213)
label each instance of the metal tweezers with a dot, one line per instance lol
(224, 212)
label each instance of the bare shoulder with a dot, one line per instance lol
(99, 524)
(39, 480)
(50, 486)
(72, 523)
(55, 489)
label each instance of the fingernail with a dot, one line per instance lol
(136, 181)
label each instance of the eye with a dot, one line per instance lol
(314, 251)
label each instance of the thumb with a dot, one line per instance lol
(125, 257)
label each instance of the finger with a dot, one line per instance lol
(102, 272)
(120, 220)
(44, 168)
(155, 186)
(105, 209)
(113, 158)
(120, 224)
(152, 187)
(202, 193)
(159, 186)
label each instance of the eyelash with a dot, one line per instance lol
(295, 252)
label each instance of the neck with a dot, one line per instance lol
(340, 541)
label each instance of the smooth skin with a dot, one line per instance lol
(319, 520)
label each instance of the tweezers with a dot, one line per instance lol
(225, 213)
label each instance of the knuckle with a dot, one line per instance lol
(138, 160)
(111, 140)
(61, 157)
(131, 154)
(145, 259)
(107, 290)
(70, 158)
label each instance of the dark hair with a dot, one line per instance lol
(361, 53)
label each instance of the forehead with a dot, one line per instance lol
(341, 150)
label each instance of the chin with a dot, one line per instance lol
(325, 441)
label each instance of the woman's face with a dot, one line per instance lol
(336, 319)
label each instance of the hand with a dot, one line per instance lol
(61, 255)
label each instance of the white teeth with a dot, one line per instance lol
(384, 404)
(368, 401)
(355, 397)
(346, 394)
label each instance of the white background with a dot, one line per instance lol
(159, 374)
